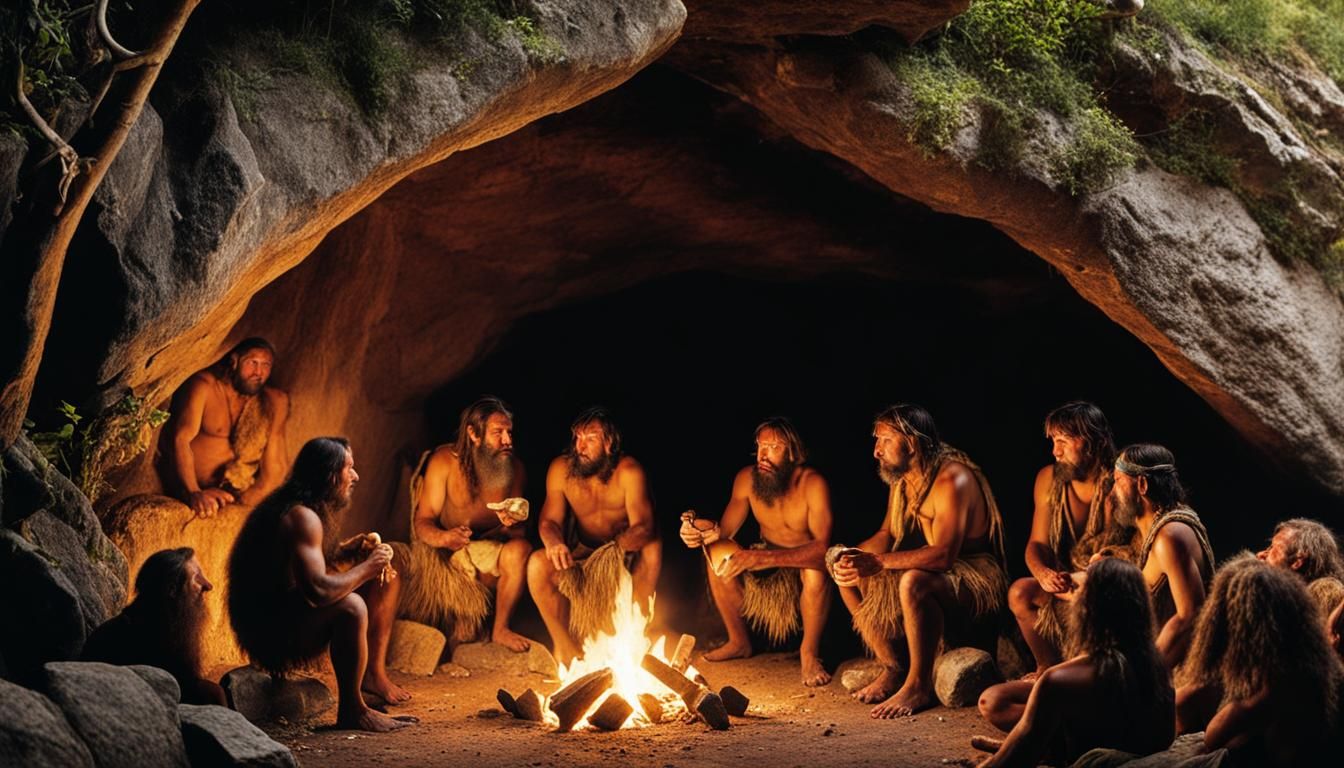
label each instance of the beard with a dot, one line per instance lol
(771, 485)
(1067, 472)
(583, 469)
(891, 474)
(494, 468)
(182, 624)
(248, 387)
(1126, 511)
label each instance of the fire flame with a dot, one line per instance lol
(623, 651)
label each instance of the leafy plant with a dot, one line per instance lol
(88, 453)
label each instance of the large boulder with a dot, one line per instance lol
(217, 737)
(493, 658)
(262, 698)
(415, 648)
(122, 719)
(960, 675)
(42, 621)
(34, 732)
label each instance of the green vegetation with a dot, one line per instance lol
(88, 453)
(1264, 27)
(365, 49)
(1019, 64)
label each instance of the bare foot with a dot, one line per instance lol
(880, 688)
(814, 672)
(385, 689)
(369, 720)
(986, 744)
(906, 702)
(730, 650)
(511, 640)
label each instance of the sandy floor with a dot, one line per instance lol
(787, 725)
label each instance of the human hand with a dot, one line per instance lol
(380, 557)
(511, 510)
(1076, 581)
(560, 556)
(207, 502)
(853, 565)
(457, 538)
(697, 532)
(740, 561)
(1054, 582)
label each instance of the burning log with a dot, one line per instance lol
(653, 708)
(734, 701)
(698, 698)
(530, 706)
(612, 714)
(681, 657)
(572, 702)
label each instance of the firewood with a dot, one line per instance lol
(612, 714)
(507, 701)
(734, 701)
(652, 706)
(681, 657)
(697, 698)
(530, 706)
(571, 703)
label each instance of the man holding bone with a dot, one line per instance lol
(771, 584)
(466, 536)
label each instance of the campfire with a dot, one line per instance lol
(625, 680)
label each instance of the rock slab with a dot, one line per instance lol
(34, 731)
(494, 658)
(856, 673)
(962, 674)
(218, 736)
(119, 716)
(415, 648)
(259, 698)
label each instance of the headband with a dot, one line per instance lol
(1138, 470)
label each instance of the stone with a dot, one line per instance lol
(856, 673)
(496, 659)
(734, 701)
(34, 731)
(453, 669)
(260, 698)
(121, 719)
(43, 621)
(507, 701)
(962, 674)
(218, 736)
(1013, 661)
(415, 648)
(162, 681)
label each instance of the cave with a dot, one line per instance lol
(697, 236)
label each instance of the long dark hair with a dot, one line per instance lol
(1113, 624)
(601, 417)
(170, 626)
(1158, 465)
(915, 422)
(1086, 422)
(473, 419)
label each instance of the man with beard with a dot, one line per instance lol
(227, 432)
(792, 505)
(1306, 548)
(292, 595)
(935, 567)
(1068, 526)
(162, 626)
(464, 539)
(597, 522)
(1170, 543)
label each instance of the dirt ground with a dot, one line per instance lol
(461, 724)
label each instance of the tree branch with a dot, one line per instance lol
(118, 51)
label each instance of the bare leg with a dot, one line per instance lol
(347, 623)
(552, 605)
(727, 594)
(512, 577)
(382, 609)
(815, 605)
(1026, 599)
(924, 595)
(1002, 704)
(885, 651)
(645, 573)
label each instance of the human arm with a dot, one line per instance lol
(1040, 559)
(951, 497)
(551, 523)
(638, 507)
(734, 515)
(433, 493)
(186, 425)
(846, 574)
(809, 555)
(1237, 721)
(1175, 549)
(275, 456)
(302, 532)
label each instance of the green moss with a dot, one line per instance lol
(1332, 266)
(1100, 144)
(941, 93)
(1187, 148)
(1257, 28)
